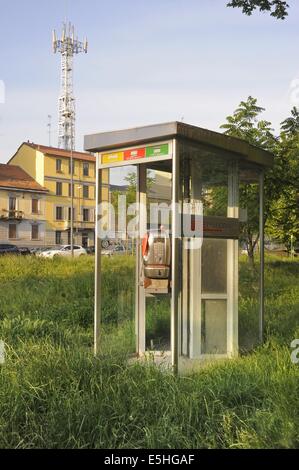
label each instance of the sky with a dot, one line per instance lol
(148, 62)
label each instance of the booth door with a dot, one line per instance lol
(214, 297)
(208, 316)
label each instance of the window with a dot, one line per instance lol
(35, 204)
(12, 206)
(58, 189)
(70, 213)
(85, 169)
(70, 190)
(85, 215)
(12, 231)
(59, 213)
(58, 238)
(86, 192)
(70, 167)
(58, 166)
(34, 232)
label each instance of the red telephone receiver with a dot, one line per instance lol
(145, 245)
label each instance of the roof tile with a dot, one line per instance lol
(15, 178)
(56, 152)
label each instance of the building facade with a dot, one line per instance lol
(51, 168)
(22, 208)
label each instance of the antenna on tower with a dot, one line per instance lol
(68, 46)
(49, 126)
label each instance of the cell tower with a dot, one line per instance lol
(68, 45)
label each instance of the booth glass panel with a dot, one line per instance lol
(249, 268)
(118, 276)
(204, 178)
(214, 266)
(158, 334)
(214, 327)
(207, 310)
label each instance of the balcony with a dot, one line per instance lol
(11, 215)
(82, 225)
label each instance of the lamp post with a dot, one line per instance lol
(72, 200)
(79, 204)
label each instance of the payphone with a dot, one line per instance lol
(197, 284)
(156, 253)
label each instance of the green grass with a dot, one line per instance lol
(54, 394)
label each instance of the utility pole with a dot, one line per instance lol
(49, 126)
(72, 194)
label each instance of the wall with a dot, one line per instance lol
(23, 204)
(26, 158)
(42, 168)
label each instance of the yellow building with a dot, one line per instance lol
(51, 168)
(22, 208)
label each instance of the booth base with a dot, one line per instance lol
(186, 366)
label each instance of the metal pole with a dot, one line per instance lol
(262, 259)
(50, 128)
(140, 302)
(98, 249)
(72, 199)
(175, 260)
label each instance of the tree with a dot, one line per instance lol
(278, 8)
(283, 225)
(290, 126)
(246, 124)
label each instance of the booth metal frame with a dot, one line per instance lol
(175, 134)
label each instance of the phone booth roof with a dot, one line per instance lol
(216, 142)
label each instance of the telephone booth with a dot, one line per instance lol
(179, 294)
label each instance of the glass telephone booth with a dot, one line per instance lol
(179, 302)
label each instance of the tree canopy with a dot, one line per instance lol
(291, 125)
(277, 8)
(281, 182)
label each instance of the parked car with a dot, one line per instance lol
(63, 251)
(24, 251)
(105, 244)
(114, 250)
(119, 250)
(37, 251)
(107, 252)
(8, 250)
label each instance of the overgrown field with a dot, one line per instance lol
(54, 394)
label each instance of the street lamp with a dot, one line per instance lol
(79, 202)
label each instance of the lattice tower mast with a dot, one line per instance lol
(68, 46)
